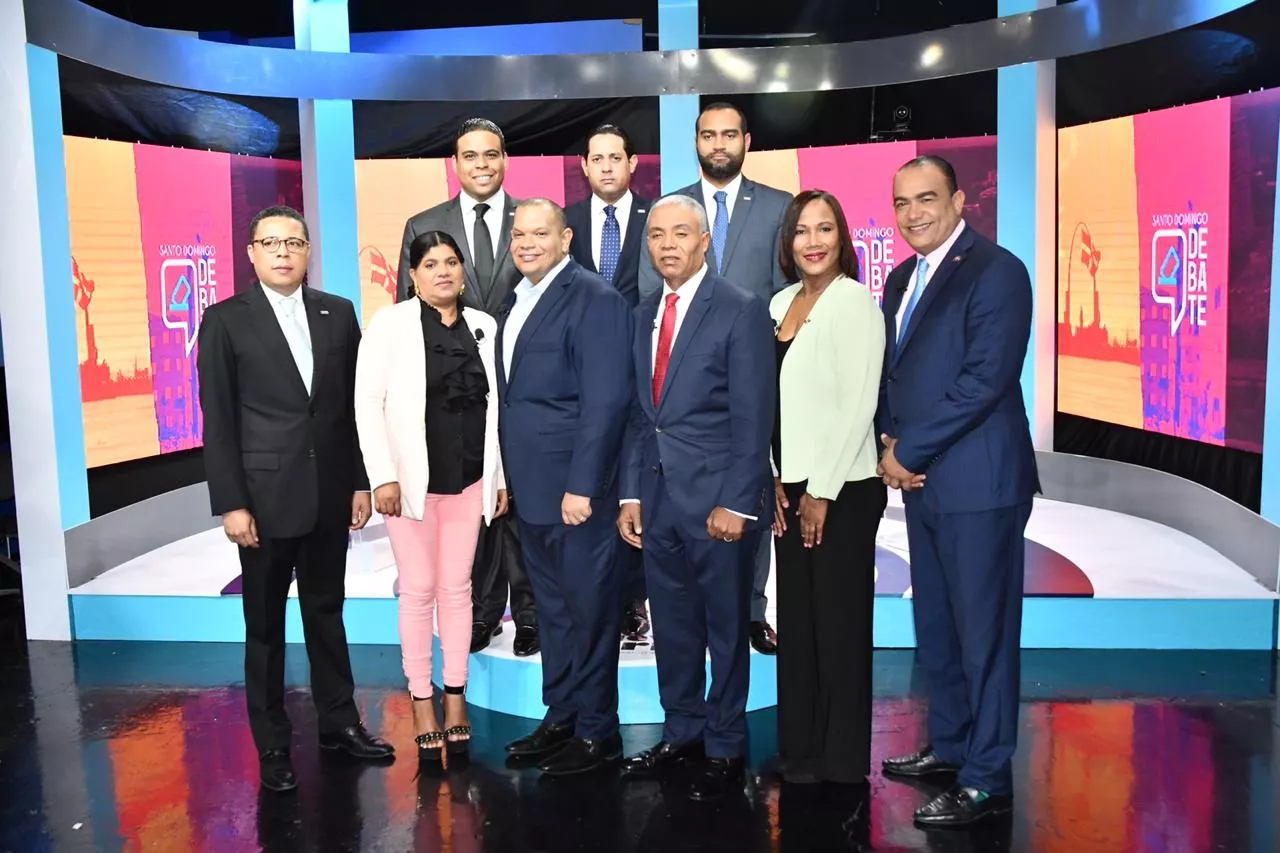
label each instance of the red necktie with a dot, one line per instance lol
(665, 334)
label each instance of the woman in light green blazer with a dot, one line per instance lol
(831, 345)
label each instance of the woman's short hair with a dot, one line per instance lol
(848, 262)
(428, 240)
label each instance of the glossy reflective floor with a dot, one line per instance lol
(116, 746)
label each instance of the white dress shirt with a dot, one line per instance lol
(295, 328)
(527, 295)
(709, 191)
(684, 295)
(934, 259)
(622, 213)
(492, 218)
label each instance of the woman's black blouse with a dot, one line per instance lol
(457, 398)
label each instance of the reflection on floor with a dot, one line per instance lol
(134, 746)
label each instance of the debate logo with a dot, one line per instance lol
(873, 246)
(1168, 273)
(1179, 267)
(187, 288)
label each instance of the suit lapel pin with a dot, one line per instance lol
(746, 198)
(957, 258)
(323, 312)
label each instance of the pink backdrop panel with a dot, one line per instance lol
(1182, 158)
(185, 199)
(861, 177)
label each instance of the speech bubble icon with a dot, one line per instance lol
(178, 298)
(1169, 273)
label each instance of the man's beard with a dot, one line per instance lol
(723, 172)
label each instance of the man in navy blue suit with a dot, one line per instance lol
(564, 375)
(956, 441)
(694, 492)
(608, 238)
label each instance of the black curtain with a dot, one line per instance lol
(1236, 474)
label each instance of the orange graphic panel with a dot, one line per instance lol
(111, 302)
(388, 192)
(1099, 342)
(777, 169)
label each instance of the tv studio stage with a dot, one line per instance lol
(1096, 578)
(1148, 219)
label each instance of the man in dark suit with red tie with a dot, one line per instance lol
(277, 367)
(696, 492)
(608, 238)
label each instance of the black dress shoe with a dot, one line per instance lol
(923, 763)
(661, 758)
(717, 778)
(635, 622)
(582, 755)
(276, 770)
(526, 642)
(763, 638)
(544, 740)
(482, 634)
(357, 743)
(961, 807)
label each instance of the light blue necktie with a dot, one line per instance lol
(922, 270)
(610, 243)
(720, 230)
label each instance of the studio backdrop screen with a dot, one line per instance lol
(1165, 235)
(158, 234)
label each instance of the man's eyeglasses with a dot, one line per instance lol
(293, 244)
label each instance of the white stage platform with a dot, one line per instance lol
(1095, 579)
(1121, 556)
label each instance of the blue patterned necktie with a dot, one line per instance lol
(720, 230)
(610, 243)
(922, 270)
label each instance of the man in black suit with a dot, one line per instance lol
(746, 223)
(479, 218)
(608, 238)
(277, 370)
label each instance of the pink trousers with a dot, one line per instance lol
(433, 559)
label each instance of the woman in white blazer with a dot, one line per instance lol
(427, 415)
(830, 346)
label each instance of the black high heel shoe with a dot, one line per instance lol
(457, 738)
(430, 744)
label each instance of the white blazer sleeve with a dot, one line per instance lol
(373, 368)
(857, 340)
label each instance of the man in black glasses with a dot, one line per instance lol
(277, 374)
